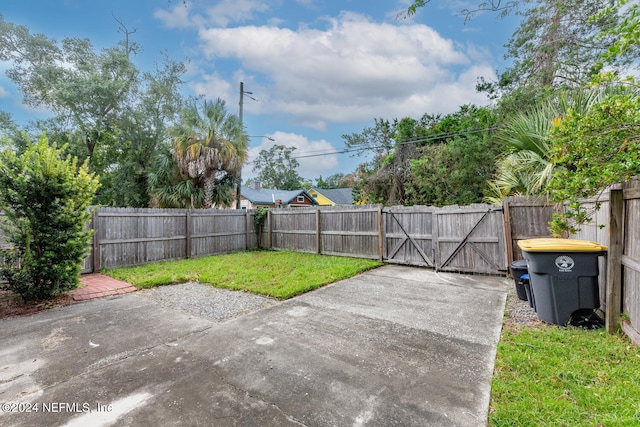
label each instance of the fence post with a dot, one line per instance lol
(318, 248)
(246, 227)
(269, 242)
(188, 234)
(613, 296)
(435, 241)
(381, 236)
(96, 242)
(506, 218)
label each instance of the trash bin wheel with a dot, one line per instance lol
(586, 318)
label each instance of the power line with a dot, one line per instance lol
(408, 141)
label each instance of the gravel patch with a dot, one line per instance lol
(206, 301)
(518, 312)
(219, 305)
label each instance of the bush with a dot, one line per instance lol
(593, 150)
(45, 199)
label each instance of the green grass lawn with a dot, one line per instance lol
(552, 376)
(277, 274)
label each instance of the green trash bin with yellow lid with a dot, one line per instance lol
(563, 275)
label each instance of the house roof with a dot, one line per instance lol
(339, 196)
(268, 196)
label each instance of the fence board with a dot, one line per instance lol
(528, 218)
(597, 231)
(631, 260)
(349, 232)
(138, 236)
(293, 229)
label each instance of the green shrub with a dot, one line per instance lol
(45, 199)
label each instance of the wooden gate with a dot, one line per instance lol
(408, 237)
(470, 238)
(466, 239)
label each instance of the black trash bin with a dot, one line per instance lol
(563, 275)
(519, 269)
(527, 289)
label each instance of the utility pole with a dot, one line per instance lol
(241, 104)
(239, 186)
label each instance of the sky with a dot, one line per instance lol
(313, 70)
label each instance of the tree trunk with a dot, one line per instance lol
(209, 184)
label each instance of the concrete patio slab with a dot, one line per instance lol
(394, 346)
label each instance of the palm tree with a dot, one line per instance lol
(210, 147)
(527, 166)
(168, 189)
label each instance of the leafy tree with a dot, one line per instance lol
(367, 190)
(434, 160)
(209, 147)
(556, 43)
(558, 46)
(393, 143)
(7, 127)
(142, 131)
(526, 166)
(337, 180)
(45, 199)
(594, 149)
(84, 87)
(599, 146)
(105, 110)
(276, 168)
(378, 139)
(625, 34)
(453, 164)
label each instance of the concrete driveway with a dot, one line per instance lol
(394, 346)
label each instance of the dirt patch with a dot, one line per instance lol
(54, 339)
(12, 305)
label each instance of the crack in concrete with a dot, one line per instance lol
(8, 380)
(290, 418)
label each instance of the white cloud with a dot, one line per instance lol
(352, 70)
(228, 11)
(314, 157)
(178, 17)
(212, 86)
(222, 14)
(4, 93)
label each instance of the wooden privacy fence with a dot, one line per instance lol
(454, 238)
(466, 239)
(352, 231)
(126, 236)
